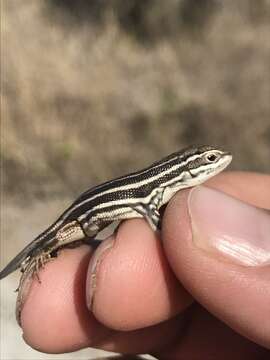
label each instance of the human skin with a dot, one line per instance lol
(178, 298)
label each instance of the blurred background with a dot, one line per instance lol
(94, 89)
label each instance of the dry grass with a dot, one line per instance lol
(85, 100)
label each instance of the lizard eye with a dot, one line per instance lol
(211, 158)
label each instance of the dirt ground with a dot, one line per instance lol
(92, 90)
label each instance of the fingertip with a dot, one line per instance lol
(133, 283)
(55, 318)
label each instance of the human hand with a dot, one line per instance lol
(176, 299)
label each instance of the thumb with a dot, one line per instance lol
(219, 248)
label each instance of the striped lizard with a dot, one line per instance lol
(137, 195)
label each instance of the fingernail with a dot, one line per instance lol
(224, 225)
(92, 275)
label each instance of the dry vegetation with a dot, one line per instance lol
(92, 89)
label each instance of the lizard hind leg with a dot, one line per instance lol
(29, 271)
(34, 265)
(32, 268)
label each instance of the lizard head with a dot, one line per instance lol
(203, 162)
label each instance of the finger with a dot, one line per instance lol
(250, 187)
(55, 318)
(130, 284)
(219, 249)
